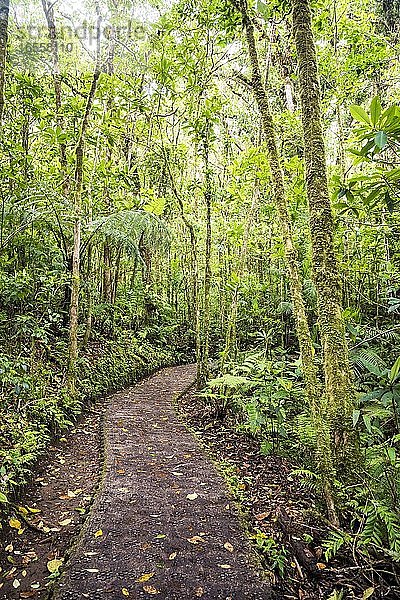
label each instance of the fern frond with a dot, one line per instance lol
(366, 358)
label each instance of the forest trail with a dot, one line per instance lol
(162, 523)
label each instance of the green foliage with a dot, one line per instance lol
(275, 555)
(378, 145)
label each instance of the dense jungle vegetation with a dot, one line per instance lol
(212, 181)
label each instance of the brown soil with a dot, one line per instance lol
(162, 523)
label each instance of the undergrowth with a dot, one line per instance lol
(36, 404)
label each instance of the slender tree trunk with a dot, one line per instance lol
(4, 11)
(107, 278)
(48, 8)
(314, 390)
(338, 377)
(89, 304)
(75, 288)
(116, 277)
(231, 347)
(194, 310)
(204, 329)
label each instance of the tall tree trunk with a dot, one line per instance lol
(75, 287)
(204, 329)
(4, 11)
(314, 391)
(89, 304)
(231, 347)
(48, 8)
(194, 310)
(107, 273)
(338, 377)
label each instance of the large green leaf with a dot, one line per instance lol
(380, 139)
(359, 114)
(394, 371)
(375, 110)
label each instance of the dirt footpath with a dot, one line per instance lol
(162, 523)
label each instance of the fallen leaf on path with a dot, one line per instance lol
(16, 583)
(29, 594)
(145, 577)
(54, 565)
(172, 556)
(65, 522)
(14, 523)
(33, 510)
(225, 566)
(145, 546)
(321, 566)
(29, 556)
(98, 533)
(196, 539)
(160, 536)
(125, 592)
(192, 496)
(199, 592)
(262, 516)
(228, 547)
(150, 589)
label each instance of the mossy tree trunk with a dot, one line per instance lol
(314, 389)
(203, 340)
(338, 377)
(77, 208)
(4, 11)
